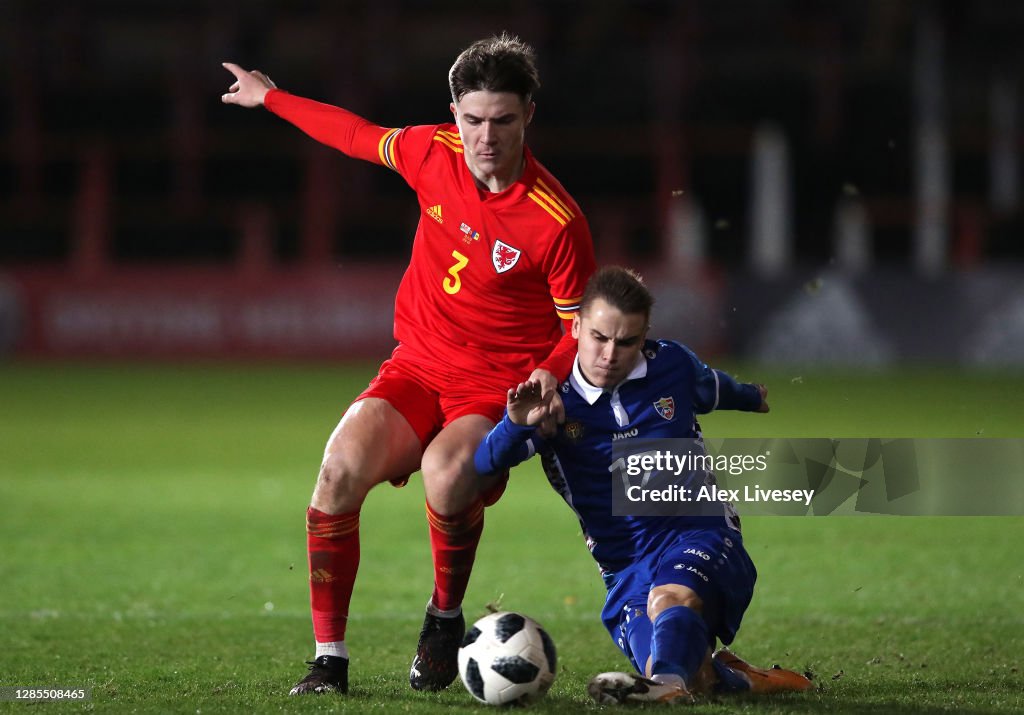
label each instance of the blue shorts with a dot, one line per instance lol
(711, 562)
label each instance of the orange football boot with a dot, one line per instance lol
(764, 680)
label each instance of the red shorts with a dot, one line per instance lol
(430, 396)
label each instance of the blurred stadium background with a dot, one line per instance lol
(830, 183)
(824, 195)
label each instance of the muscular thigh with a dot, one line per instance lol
(379, 439)
(449, 478)
(372, 443)
(714, 565)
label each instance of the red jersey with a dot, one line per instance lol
(492, 275)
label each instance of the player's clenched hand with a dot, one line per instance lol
(764, 399)
(249, 88)
(527, 404)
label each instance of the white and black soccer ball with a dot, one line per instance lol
(507, 658)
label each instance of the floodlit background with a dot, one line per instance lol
(802, 182)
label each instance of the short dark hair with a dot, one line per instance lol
(502, 63)
(619, 287)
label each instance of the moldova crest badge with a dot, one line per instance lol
(666, 407)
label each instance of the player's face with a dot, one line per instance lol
(609, 342)
(493, 128)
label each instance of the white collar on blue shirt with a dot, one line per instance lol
(591, 393)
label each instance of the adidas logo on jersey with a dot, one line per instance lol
(434, 212)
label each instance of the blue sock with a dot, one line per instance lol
(729, 681)
(680, 642)
(638, 637)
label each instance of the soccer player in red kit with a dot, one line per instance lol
(499, 262)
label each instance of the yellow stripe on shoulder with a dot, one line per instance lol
(386, 148)
(454, 136)
(555, 197)
(547, 207)
(457, 148)
(565, 316)
(553, 204)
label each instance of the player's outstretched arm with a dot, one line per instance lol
(250, 87)
(330, 125)
(512, 440)
(718, 390)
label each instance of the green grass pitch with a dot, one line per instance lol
(153, 547)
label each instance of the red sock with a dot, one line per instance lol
(332, 541)
(453, 542)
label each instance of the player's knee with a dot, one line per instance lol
(339, 485)
(661, 598)
(449, 485)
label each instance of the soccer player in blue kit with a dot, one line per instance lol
(676, 583)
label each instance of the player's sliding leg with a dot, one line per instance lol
(710, 573)
(455, 518)
(639, 635)
(371, 444)
(726, 580)
(678, 646)
(685, 627)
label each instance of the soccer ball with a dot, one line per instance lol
(507, 658)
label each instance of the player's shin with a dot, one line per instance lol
(679, 644)
(639, 637)
(333, 545)
(453, 543)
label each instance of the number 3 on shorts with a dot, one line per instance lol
(452, 282)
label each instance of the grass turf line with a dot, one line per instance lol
(153, 550)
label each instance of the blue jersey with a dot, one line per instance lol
(660, 398)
